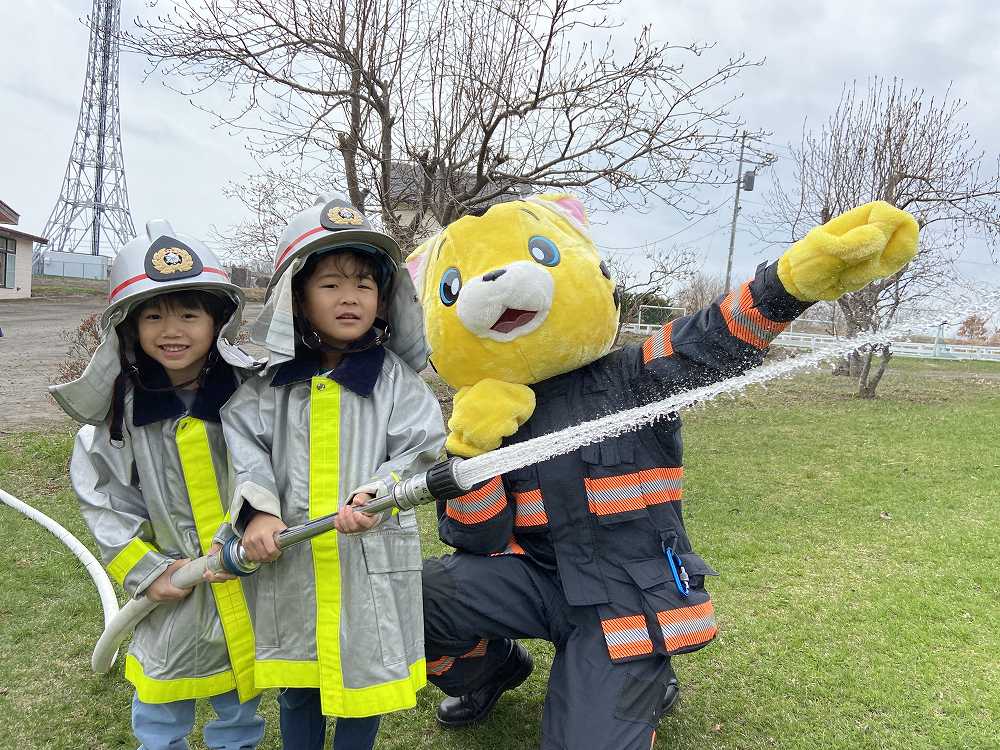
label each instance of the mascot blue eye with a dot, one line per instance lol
(544, 251)
(451, 285)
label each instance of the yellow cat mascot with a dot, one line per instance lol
(588, 550)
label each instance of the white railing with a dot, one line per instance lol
(922, 350)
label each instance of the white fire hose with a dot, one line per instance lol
(437, 482)
(109, 599)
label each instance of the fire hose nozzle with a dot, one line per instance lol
(437, 483)
(440, 482)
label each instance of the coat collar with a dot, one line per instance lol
(358, 371)
(151, 406)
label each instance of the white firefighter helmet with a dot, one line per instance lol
(164, 261)
(329, 223)
(159, 261)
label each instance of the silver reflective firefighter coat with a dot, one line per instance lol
(343, 612)
(154, 499)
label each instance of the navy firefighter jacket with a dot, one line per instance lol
(607, 519)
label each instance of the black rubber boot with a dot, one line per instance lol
(671, 695)
(473, 707)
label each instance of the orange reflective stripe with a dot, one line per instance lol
(659, 344)
(512, 548)
(479, 505)
(439, 666)
(627, 637)
(478, 650)
(688, 627)
(529, 510)
(635, 491)
(746, 322)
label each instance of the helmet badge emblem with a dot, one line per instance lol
(344, 215)
(168, 260)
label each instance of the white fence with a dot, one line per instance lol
(929, 350)
(923, 350)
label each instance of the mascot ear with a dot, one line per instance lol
(416, 265)
(568, 207)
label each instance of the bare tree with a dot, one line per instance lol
(424, 110)
(647, 282)
(914, 151)
(973, 329)
(700, 290)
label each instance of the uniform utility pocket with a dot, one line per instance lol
(686, 623)
(393, 561)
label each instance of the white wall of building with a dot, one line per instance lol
(22, 273)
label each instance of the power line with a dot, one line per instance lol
(631, 250)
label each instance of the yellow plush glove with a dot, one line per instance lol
(485, 413)
(866, 243)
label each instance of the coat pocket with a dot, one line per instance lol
(685, 623)
(393, 563)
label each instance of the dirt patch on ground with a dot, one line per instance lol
(31, 349)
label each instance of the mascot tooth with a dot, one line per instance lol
(588, 549)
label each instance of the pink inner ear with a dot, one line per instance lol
(415, 266)
(574, 208)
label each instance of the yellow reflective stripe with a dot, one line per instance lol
(355, 702)
(151, 690)
(388, 696)
(324, 498)
(128, 558)
(207, 508)
(286, 673)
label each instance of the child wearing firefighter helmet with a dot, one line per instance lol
(339, 413)
(150, 469)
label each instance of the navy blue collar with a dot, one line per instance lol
(151, 406)
(357, 371)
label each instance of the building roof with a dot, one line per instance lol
(406, 179)
(6, 231)
(8, 215)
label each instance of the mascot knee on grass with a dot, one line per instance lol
(588, 550)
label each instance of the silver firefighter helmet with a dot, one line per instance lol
(160, 261)
(329, 223)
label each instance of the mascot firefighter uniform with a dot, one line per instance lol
(587, 550)
(151, 470)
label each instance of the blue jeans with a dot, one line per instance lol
(303, 725)
(165, 726)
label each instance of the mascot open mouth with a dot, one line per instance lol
(513, 318)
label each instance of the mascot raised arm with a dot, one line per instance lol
(588, 550)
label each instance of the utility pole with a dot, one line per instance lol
(736, 211)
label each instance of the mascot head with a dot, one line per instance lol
(519, 294)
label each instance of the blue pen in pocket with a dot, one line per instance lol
(681, 580)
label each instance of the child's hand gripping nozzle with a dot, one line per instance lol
(440, 482)
(869, 242)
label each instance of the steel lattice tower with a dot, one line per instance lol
(92, 210)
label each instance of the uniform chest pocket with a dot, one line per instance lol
(604, 456)
(393, 562)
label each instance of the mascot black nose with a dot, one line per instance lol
(494, 275)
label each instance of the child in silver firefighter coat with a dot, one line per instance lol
(150, 469)
(338, 414)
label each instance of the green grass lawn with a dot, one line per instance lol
(859, 601)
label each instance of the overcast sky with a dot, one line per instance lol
(177, 164)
